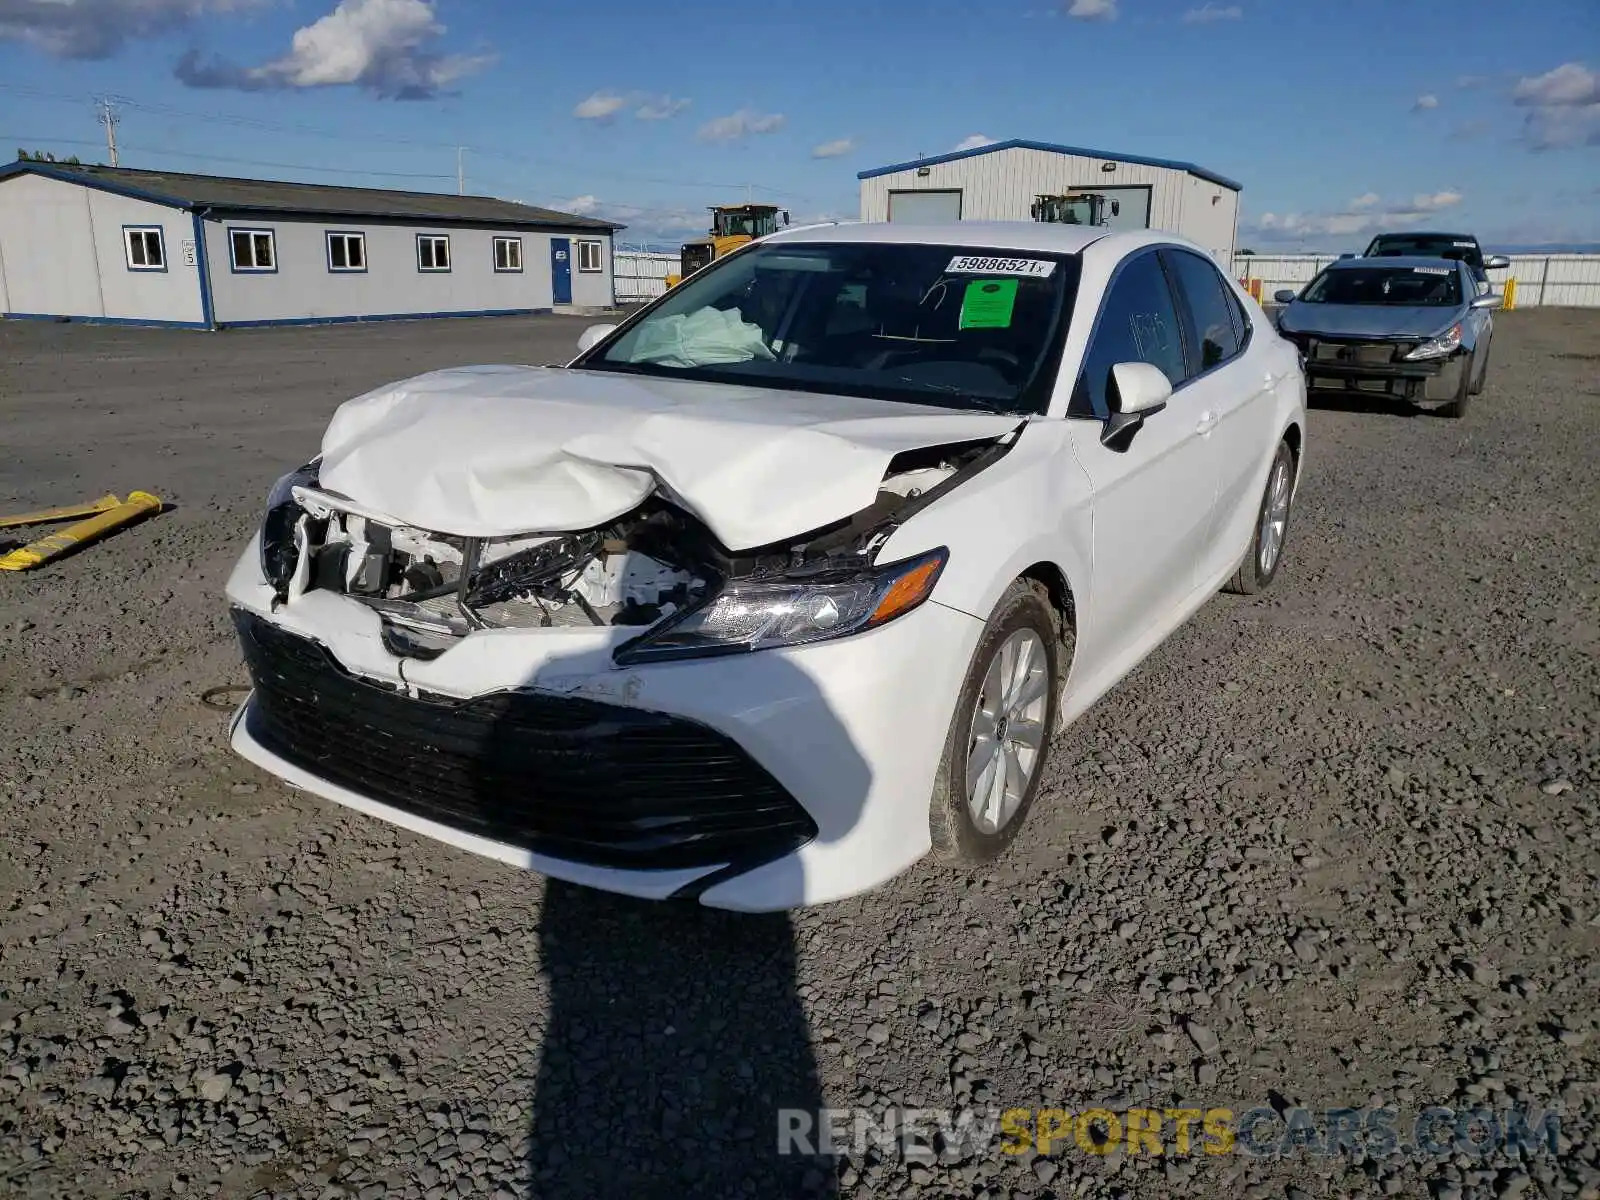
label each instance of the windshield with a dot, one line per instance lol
(952, 326)
(1428, 245)
(1429, 286)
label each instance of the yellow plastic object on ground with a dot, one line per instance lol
(65, 513)
(53, 546)
(1509, 296)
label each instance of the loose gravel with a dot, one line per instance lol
(1334, 846)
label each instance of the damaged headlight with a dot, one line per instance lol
(279, 554)
(792, 612)
(1447, 342)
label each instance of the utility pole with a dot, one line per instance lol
(461, 171)
(108, 117)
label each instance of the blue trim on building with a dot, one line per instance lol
(427, 316)
(127, 259)
(66, 320)
(202, 262)
(233, 259)
(1051, 147)
(327, 250)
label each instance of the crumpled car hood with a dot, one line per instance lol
(494, 451)
(1376, 321)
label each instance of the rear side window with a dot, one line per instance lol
(1211, 316)
(1138, 323)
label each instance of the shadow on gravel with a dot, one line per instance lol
(1356, 402)
(676, 1032)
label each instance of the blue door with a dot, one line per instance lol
(561, 270)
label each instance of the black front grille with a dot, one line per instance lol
(1356, 354)
(572, 778)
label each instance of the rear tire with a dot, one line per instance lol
(995, 753)
(1457, 408)
(1265, 556)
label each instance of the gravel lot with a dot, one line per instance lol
(1337, 846)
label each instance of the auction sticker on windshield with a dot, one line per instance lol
(988, 304)
(1035, 268)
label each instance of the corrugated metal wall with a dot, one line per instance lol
(1543, 280)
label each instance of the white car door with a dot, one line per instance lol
(1232, 386)
(1152, 493)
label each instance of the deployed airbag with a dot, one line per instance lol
(703, 338)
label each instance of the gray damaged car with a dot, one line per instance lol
(1415, 329)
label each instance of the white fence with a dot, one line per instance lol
(1561, 280)
(1556, 280)
(641, 274)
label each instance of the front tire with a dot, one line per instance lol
(1261, 561)
(1457, 408)
(999, 738)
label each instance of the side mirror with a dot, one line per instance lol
(592, 335)
(1488, 300)
(1496, 262)
(1140, 390)
(1283, 296)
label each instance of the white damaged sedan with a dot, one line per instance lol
(787, 579)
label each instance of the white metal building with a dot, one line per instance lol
(120, 246)
(1000, 182)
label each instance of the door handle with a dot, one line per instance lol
(1208, 422)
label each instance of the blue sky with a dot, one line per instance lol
(1338, 116)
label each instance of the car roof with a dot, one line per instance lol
(1425, 233)
(1393, 260)
(1038, 236)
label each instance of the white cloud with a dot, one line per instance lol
(93, 29)
(1093, 10)
(580, 205)
(834, 149)
(1425, 102)
(385, 47)
(601, 106)
(1207, 13)
(973, 141)
(1434, 201)
(740, 124)
(1364, 215)
(1563, 104)
(660, 108)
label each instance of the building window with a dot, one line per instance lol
(253, 250)
(433, 252)
(508, 254)
(144, 248)
(590, 256)
(347, 251)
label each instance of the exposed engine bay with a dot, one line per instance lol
(640, 570)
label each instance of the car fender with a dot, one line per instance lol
(1031, 506)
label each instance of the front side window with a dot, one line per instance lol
(347, 251)
(433, 252)
(1407, 286)
(144, 248)
(508, 254)
(253, 249)
(1138, 323)
(590, 257)
(950, 326)
(1209, 309)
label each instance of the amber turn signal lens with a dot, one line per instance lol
(910, 590)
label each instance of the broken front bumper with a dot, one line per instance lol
(754, 781)
(1379, 368)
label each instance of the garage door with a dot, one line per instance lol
(925, 208)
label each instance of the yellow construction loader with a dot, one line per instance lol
(732, 226)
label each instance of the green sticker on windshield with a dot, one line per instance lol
(988, 304)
